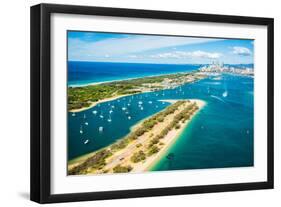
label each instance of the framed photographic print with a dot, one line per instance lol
(132, 103)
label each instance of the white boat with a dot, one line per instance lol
(86, 123)
(140, 102)
(150, 102)
(109, 119)
(110, 111)
(123, 108)
(81, 130)
(86, 141)
(225, 94)
(129, 117)
(100, 129)
(141, 108)
(94, 112)
(73, 114)
(101, 116)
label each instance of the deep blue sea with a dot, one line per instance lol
(83, 73)
(220, 135)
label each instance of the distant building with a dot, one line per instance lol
(219, 67)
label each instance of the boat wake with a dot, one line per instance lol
(218, 98)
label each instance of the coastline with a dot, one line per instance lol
(126, 79)
(93, 104)
(175, 136)
(122, 156)
(127, 87)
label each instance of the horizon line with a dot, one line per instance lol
(156, 63)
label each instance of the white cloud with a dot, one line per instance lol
(188, 55)
(78, 49)
(241, 51)
(133, 56)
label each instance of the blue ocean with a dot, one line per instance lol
(84, 73)
(220, 135)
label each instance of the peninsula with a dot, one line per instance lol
(143, 146)
(82, 98)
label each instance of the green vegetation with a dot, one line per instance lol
(122, 169)
(180, 117)
(177, 126)
(145, 127)
(120, 145)
(97, 161)
(152, 150)
(138, 145)
(154, 141)
(138, 156)
(79, 97)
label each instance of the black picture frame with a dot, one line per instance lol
(41, 98)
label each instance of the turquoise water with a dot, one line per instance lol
(220, 135)
(83, 73)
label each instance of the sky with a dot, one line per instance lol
(158, 49)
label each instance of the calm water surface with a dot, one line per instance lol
(220, 135)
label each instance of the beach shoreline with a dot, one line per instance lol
(127, 79)
(166, 147)
(93, 104)
(84, 98)
(166, 142)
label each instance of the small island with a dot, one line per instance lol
(82, 98)
(143, 146)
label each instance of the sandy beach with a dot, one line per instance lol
(171, 137)
(123, 156)
(111, 81)
(168, 140)
(98, 102)
(75, 101)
